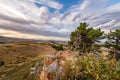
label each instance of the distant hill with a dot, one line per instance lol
(9, 39)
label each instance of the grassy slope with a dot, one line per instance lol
(20, 72)
(20, 57)
(12, 51)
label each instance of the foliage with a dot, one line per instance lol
(92, 67)
(57, 47)
(83, 38)
(113, 41)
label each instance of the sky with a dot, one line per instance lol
(56, 19)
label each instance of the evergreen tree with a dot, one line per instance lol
(83, 38)
(114, 42)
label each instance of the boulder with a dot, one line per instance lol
(54, 66)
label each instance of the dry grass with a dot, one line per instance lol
(92, 67)
(12, 51)
(20, 57)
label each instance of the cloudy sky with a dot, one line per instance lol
(55, 19)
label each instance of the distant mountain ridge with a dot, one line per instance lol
(9, 39)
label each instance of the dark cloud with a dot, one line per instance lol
(17, 20)
(34, 31)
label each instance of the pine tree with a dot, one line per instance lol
(83, 38)
(114, 42)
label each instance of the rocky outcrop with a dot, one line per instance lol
(54, 65)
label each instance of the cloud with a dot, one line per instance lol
(14, 34)
(84, 4)
(24, 18)
(96, 16)
(107, 24)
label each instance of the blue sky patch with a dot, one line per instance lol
(68, 3)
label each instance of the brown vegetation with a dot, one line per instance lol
(12, 51)
(18, 58)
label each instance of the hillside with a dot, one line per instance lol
(19, 57)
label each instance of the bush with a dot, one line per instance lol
(1, 63)
(57, 47)
(92, 67)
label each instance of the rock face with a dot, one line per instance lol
(36, 69)
(43, 75)
(54, 66)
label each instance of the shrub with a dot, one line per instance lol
(1, 63)
(92, 67)
(57, 47)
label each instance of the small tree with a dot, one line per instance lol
(83, 38)
(114, 41)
